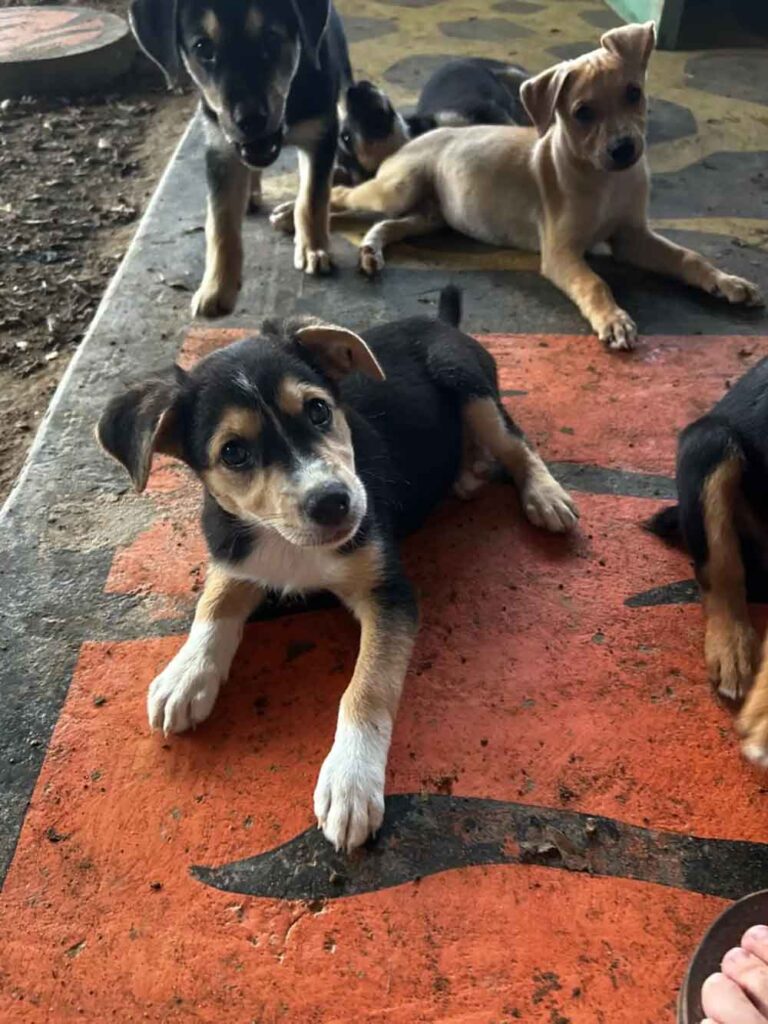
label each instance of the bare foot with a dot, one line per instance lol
(739, 994)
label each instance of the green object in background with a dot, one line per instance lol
(638, 10)
(698, 24)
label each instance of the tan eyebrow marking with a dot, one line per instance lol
(293, 393)
(211, 25)
(235, 422)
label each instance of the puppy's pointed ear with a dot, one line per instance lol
(155, 26)
(631, 43)
(312, 16)
(539, 95)
(141, 421)
(339, 351)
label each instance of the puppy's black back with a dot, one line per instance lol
(408, 429)
(482, 91)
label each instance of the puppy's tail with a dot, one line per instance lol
(449, 305)
(666, 524)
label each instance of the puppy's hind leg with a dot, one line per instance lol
(388, 231)
(544, 501)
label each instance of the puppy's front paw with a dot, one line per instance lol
(371, 260)
(312, 261)
(281, 218)
(349, 796)
(547, 504)
(736, 290)
(184, 693)
(730, 650)
(215, 297)
(753, 726)
(619, 332)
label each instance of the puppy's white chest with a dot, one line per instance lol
(278, 565)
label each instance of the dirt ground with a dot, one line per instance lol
(75, 177)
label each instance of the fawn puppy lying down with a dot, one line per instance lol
(313, 464)
(578, 178)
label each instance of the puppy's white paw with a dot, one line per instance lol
(312, 261)
(215, 297)
(281, 217)
(184, 693)
(619, 332)
(547, 504)
(736, 290)
(371, 260)
(349, 796)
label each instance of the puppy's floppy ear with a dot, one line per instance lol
(312, 16)
(155, 26)
(339, 351)
(631, 43)
(141, 421)
(539, 95)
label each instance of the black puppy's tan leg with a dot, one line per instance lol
(349, 796)
(228, 189)
(386, 232)
(730, 644)
(186, 690)
(312, 209)
(567, 268)
(644, 248)
(544, 501)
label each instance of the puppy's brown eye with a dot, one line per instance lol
(634, 94)
(318, 411)
(346, 138)
(204, 50)
(584, 114)
(235, 455)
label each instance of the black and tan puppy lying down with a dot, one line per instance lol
(722, 486)
(317, 450)
(578, 179)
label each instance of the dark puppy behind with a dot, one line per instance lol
(722, 483)
(313, 464)
(269, 74)
(471, 90)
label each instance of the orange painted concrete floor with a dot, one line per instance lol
(557, 691)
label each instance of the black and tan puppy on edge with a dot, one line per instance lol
(577, 179)
(269, 74)
(722, 479)
(313, 463)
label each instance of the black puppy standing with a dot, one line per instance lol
(313, 464)
(269, 73)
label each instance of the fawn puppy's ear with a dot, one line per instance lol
(631, 43)
(539, 95)
(144, 419)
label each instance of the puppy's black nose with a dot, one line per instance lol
(252, 121)
(327, 505)
(622, 151)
